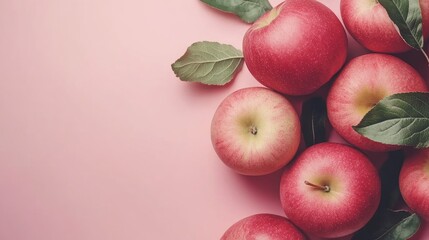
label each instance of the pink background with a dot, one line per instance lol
(99, 139)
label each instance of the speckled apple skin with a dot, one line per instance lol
(374, 72)
(352, 201)
(278, 136)
(369, 24)
(298, 51)
(263, 226)
(414, 182)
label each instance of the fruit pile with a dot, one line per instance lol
(376, 102)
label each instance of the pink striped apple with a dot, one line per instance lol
(263, 226)
(363, 82)
(296, 47)
(369, 24)
(330, 190)
(255, 131)
(414, 182)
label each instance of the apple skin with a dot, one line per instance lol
(354, 193)
(296, 47)
(369, 24)
(414, 182)
(260, 152)
(263, 226)
(363, 82)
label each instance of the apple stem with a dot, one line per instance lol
(324, 188)
(253, 130)
(424, 54)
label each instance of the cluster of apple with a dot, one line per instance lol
(329, 189)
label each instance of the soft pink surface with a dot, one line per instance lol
(99, 140)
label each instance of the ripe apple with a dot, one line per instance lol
(263, 226)
(255, 131)
(414, 182)
(296, 47)
(363, 82)
(369, 24)
(331, 190)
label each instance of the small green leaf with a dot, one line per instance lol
(404, 229)
(248, 10)
(399, 119)
(407, 16)
(390, 225)
(313, 121)
(209, 63)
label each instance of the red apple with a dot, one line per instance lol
(414, 182)
(255, 131)
(263, 226)
(363, 82)
(330, 190)
(296, 47)
(369, 24)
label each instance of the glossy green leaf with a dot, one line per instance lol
(390, 225)
(209, 63)
(399, 119)
(313, 121)
(248, 10)
(407, 16)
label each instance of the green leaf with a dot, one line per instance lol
(390, 225)
(404, 229)
(399, 119)
(209, 63)
(248, 10)
(313, 121)
(407, 16)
